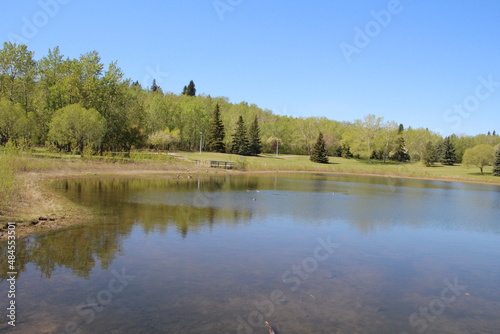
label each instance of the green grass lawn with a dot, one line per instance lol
(269, 162)
(40, 159)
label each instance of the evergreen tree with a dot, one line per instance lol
(346, 151)
(216, 134)
(240, 140)
(429, 155)
(447, 152)
(154, 86)
(401, 128)
(255, 144)
(184, 90)
(318, 152)
(190, 89)
(401, 153)
(496, 163)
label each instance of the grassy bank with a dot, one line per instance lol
(265, 162)
(26, 198)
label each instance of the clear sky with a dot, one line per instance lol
(422, 63)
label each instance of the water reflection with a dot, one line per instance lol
(195, 205)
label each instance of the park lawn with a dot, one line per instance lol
(271, 162)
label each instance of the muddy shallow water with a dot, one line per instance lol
(310, 253)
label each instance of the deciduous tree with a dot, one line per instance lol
(479, 156)
(77, 126)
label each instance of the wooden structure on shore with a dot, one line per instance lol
(222, 164)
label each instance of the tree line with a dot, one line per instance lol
(73, 104)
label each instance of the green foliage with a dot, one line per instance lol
(496, 163)
(190, 89)
(240, 140)
(345, 151)
(318, 152)
(155, 87)
(362, 135)
(31, 93)
(447, 152)
(164, 140)
(401, 153)
(480, 156)
(430, 154)
(217, 133)
(76, 126)
(255, 144)
(14, 123)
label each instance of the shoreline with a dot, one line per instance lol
(39, 209)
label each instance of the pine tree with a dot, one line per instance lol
(318, 152)
(496, 163)
(240, 140)
(154, 86)
(401, 153)
(255, 144)
(190, 89)
(346, 151)
(447, 152)
(429, 154)
(184, 90)
(217, 134)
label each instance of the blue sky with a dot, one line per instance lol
(422, 63)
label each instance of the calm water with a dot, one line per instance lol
(310, 253)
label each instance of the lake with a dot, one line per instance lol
(310, 253)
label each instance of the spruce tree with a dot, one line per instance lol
(190, 89)
(429, 154)
(255, 144)
(496, 163)
(216, 134)
(346, 151)
(447, 152)
(318, 152)
(154, 86)
(401, 153)
(184, 90)
(240, 140)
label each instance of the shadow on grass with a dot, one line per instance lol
(266, 157)
(382, 163)
(479, 174)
